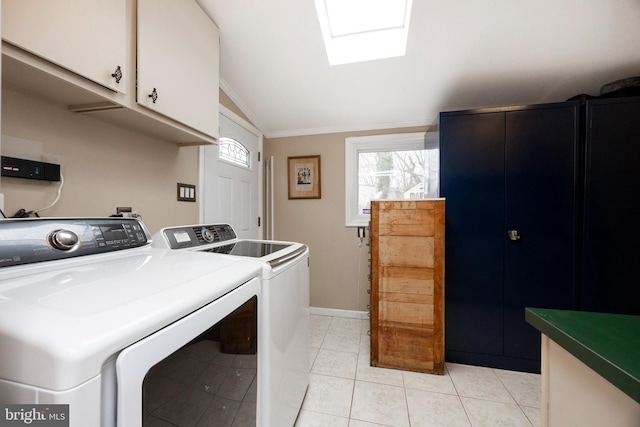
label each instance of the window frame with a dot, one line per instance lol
(373, 143)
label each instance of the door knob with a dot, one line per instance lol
(513, 235)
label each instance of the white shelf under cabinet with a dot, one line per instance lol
(25, 73)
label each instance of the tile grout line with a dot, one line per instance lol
(464, 408)
(355, 376)
(512, 396)
(406, 400)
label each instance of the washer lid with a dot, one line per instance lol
(58, 327)
(250, 248)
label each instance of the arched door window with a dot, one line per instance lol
(234, 152)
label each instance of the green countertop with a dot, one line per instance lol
(607, 343)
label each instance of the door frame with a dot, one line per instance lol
(224, 111)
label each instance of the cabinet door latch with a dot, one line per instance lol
(513, 235)
(154, 95)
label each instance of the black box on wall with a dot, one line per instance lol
(30, 169)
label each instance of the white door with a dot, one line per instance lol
(231, 177)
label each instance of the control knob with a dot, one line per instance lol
(63, 240)
(208, 235)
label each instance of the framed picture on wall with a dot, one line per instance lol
(304, 177)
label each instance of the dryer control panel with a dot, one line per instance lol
(31, 240)
(192, 236)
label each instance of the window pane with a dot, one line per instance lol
(233, 151)
(407, 174)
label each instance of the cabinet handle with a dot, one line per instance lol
(117, 74)
(154, 95)
(513, 235)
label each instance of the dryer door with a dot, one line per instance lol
(136, 361)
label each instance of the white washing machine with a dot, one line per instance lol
(88, 309)
(284, 321)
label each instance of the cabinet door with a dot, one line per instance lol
(612, 229)
(87, 37)
(178, 47)
(472, 181)
(540, 203)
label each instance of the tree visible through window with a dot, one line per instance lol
(393, 175)
(384, 167)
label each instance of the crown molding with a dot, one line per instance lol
(240, 104)
(346, 129)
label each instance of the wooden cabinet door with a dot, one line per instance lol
(178, 48)
(611, 227)
(87, 37)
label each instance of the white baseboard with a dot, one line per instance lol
(352, 314)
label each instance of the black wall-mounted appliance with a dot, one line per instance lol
(30, 169)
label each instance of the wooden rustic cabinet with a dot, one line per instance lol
(407, 285)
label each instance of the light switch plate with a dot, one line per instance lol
(186, 192)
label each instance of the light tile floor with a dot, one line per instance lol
(346, 392)
(198, 386)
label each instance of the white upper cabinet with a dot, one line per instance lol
(88, 37)
(72, 51)
(178, 65)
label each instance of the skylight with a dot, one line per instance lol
(362, 30)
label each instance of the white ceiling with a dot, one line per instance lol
(460, 54)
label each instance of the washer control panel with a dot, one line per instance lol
(26, 241)
(193, 236)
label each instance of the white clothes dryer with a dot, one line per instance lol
(284, 321)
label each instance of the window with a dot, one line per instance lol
(234, 152)
(363, 30)
(398, 166)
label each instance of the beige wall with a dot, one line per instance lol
(104, 166)
(227, 102)
(339, 266)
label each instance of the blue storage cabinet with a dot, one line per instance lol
(511, 180)
(611, 244)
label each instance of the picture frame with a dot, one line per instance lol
(304, 177)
